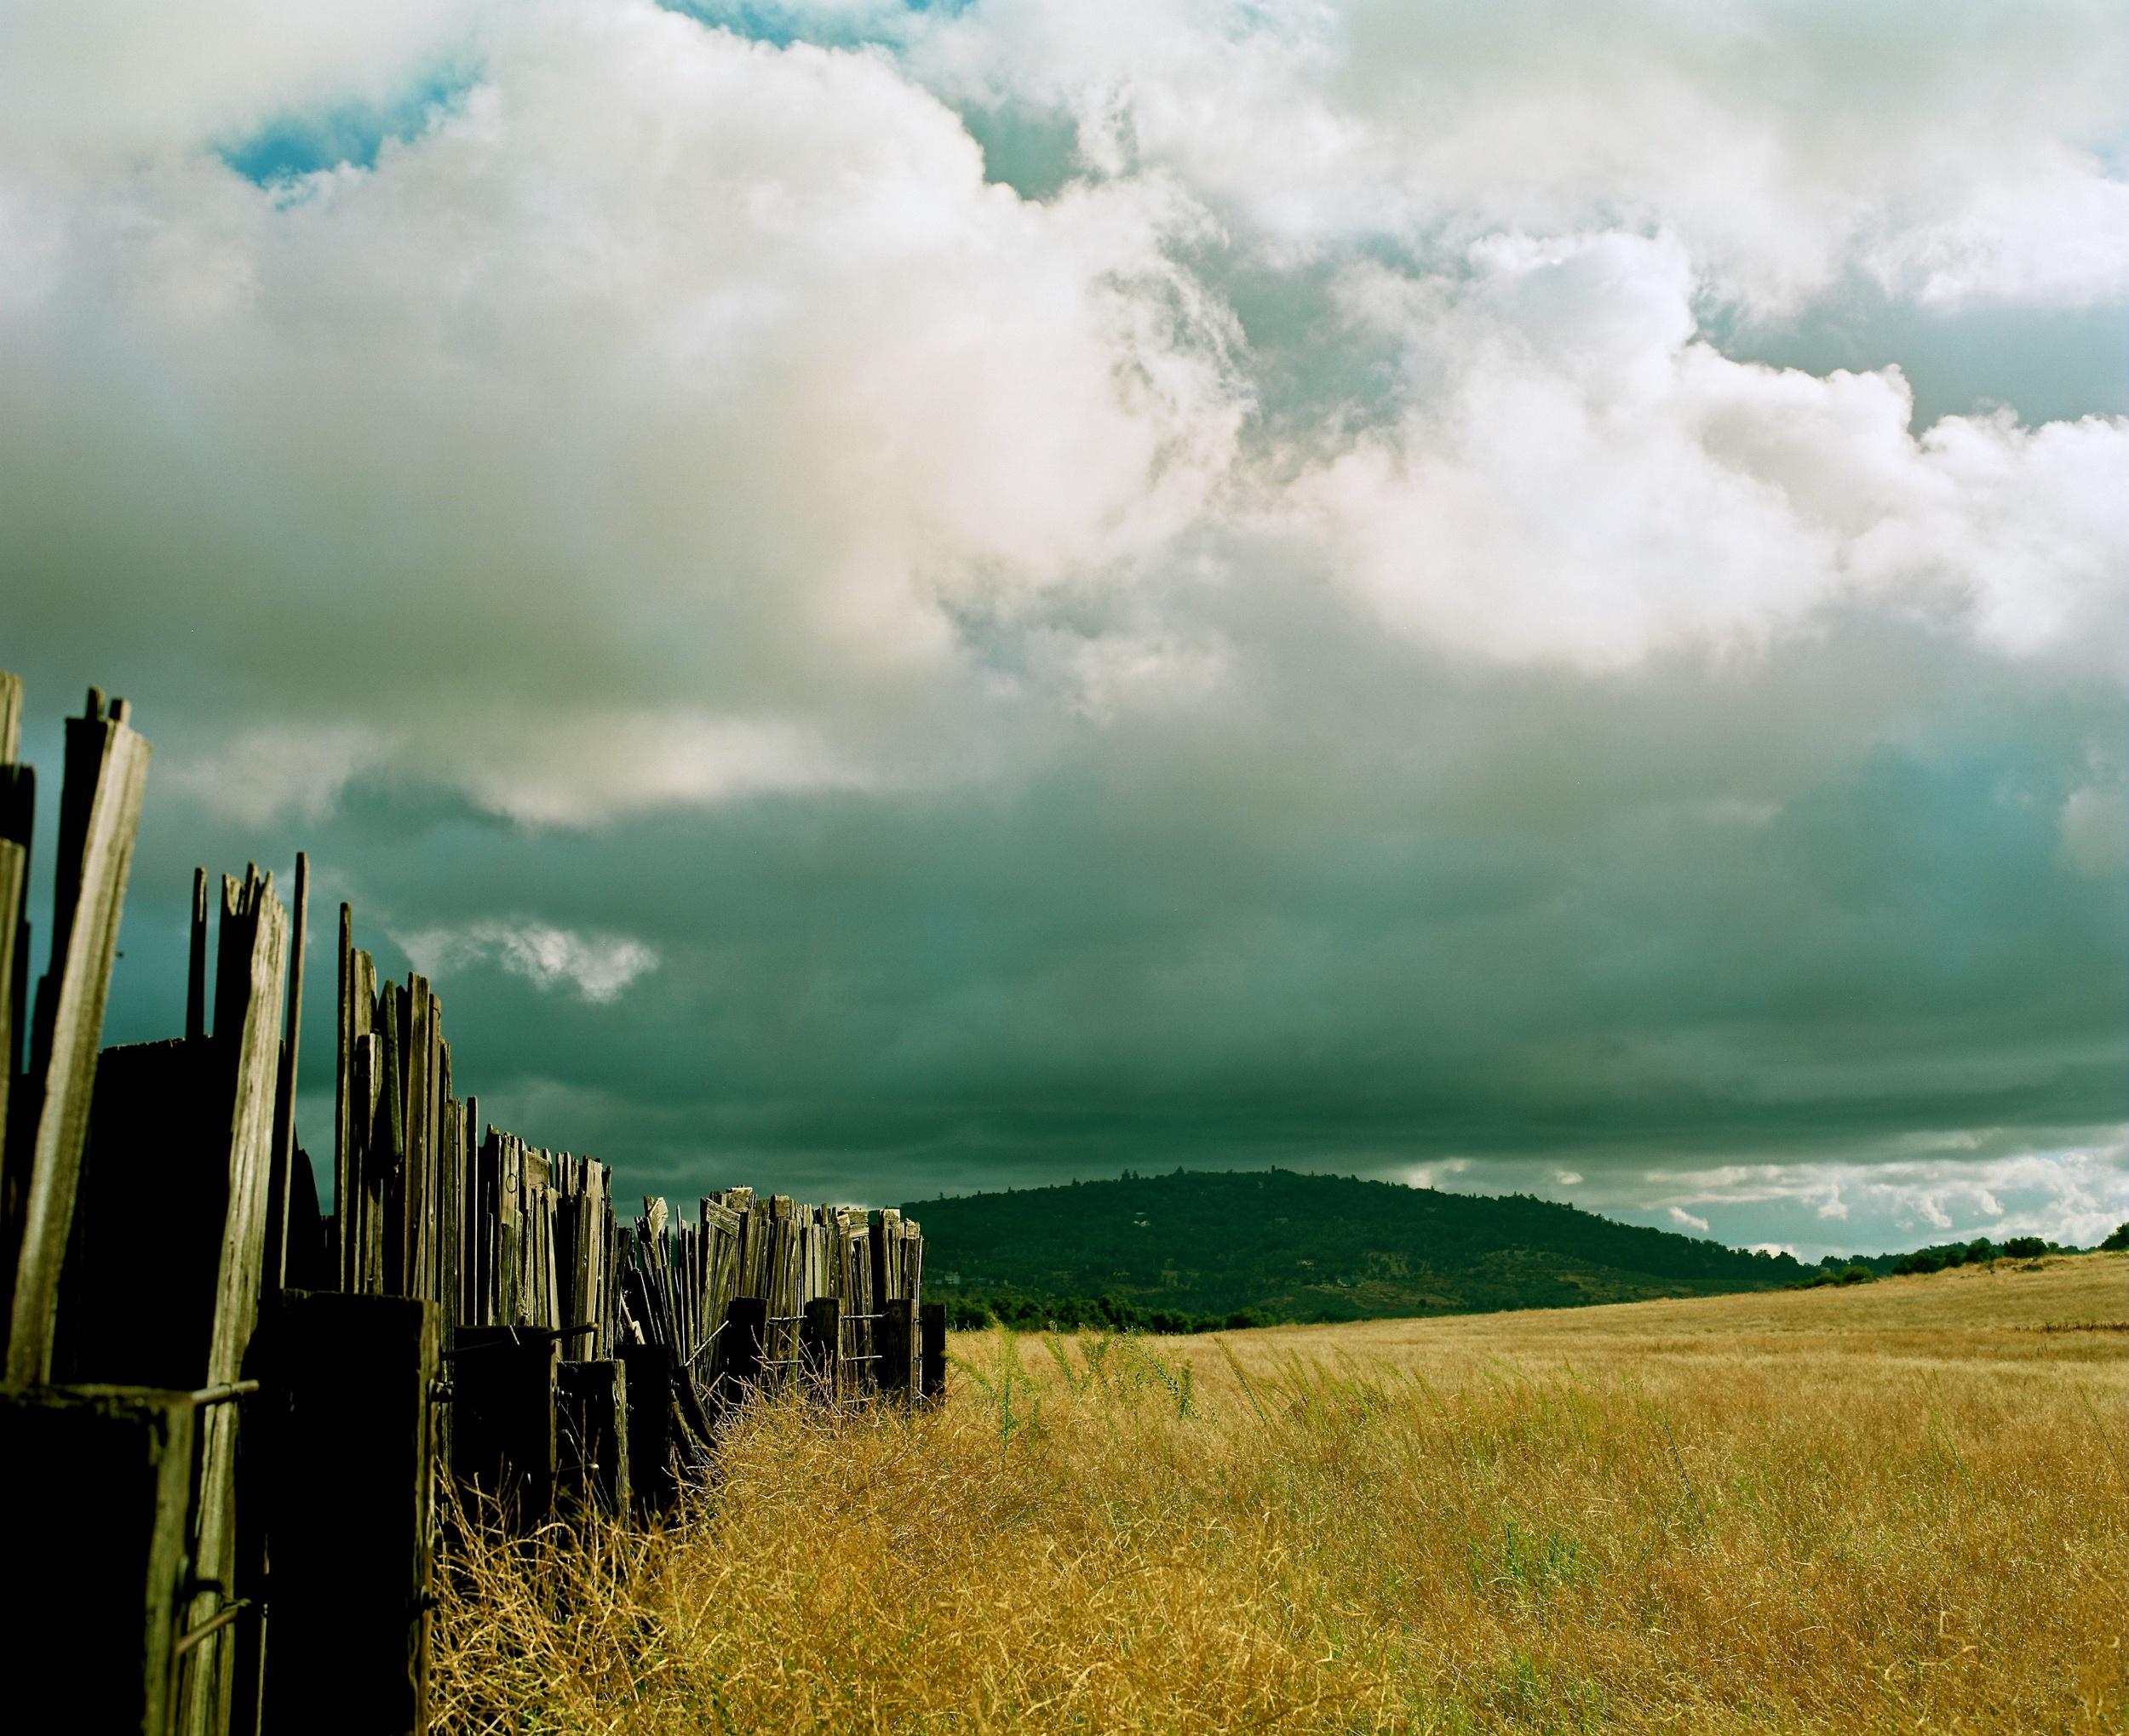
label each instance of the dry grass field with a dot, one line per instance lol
(1903, 1506)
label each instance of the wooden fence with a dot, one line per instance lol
(234, 1409)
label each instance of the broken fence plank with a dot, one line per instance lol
(250, 971)
(279, 1190)
(100, 813)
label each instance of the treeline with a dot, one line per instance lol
(1114, 1314)
(1197, 1246)
(1860, 1268)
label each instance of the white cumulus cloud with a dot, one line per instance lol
(597, 967)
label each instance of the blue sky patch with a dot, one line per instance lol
(293, 145)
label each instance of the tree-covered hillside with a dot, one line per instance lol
(1308, 1248)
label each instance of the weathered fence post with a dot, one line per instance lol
(595, 1433)
(820, 1348)
(100, 812)
(650, 1432)
(502, 1426)
(746, 1339)
(931, 1319)
(96, 1545)
(348, 1497)
(18, 816)
(896, 1367)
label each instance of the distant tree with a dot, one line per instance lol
(966, 1313)
(2117, 1241)
(2024, 1247)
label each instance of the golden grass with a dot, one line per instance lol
(1903, 1506)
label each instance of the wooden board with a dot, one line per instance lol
(349, 1521)
(930, 1318)
(502, 1418)
(592, 1434)
(280, 1196)
(18, 820)
(820, 1351)
(896, 1369)
(100, 813)
(250, 972)
(652, 1472)
(139, 1292)
(746, 1343)
(88, 1603)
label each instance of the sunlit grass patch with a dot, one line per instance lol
(1896, 1507)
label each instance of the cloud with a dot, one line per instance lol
(1581, 480)
(598, 966)
(1918, 1189)
(1686, 1220)
(266, 775)
(141, 76)
(1956, 158)
(711, 419)
(1295, 633)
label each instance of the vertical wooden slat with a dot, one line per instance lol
(510, 1265)
(250, 973)
(388, 1141)
(18, 825)
(279, 1187)
(473, 1227)
(366, 1176)
(912, 1260)
(100, 812)
(14, 879)
(196, 962)
(550, 1287)
(432, 1156)
(344, 1175)
(416, 1242)
(451, 1208)
(371, 1158)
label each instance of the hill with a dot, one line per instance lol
(1193, 1245)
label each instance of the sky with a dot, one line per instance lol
(900, 600)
